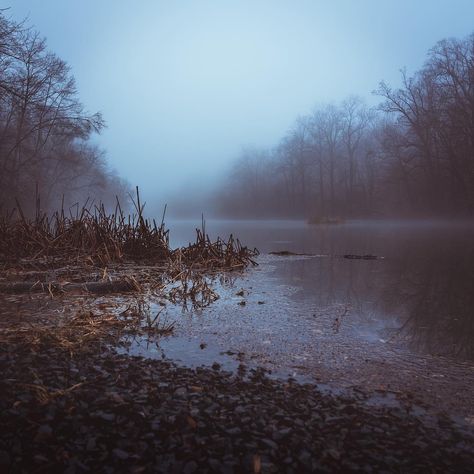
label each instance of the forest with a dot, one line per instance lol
(411, 155)
(136, 338)
(46, 147)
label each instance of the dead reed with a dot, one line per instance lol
(88, 326)
(91, 236)
(76, 256)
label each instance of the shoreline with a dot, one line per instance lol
(113, 413)
(69, 402)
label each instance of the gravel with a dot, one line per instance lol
(104, 412)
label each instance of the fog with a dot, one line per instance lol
(185, 86)
(270, 203)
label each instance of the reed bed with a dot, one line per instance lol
(91, 236)
(87, 254)
(204, 253)
(87, 327)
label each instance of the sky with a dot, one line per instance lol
(185, 85)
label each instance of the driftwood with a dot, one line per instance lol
(284, 253)
(99, 287)
(362, 257)
(287, 253)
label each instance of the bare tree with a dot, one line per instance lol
(44, 128)
(413, 155)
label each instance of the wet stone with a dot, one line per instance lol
(120, 454)
(234, 431)
(230, 424)
(180, 392)
(190, 467)
(43, 433)
(5, 458)
(271, 444)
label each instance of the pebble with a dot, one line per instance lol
(120, 454)
(140, 414)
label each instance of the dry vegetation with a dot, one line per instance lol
(87, 326)
(91, 236)
(113, 265)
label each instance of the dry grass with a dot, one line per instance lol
(88, 327)
(71, 257)
(90, 236)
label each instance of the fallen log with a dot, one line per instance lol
(287, 253)
(98, 287)
(362, 257)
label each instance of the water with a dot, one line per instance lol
(422, 289)
(403, 320)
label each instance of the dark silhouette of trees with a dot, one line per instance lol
(435, 117)
(412, 155)
(44, 128)
(319, 167)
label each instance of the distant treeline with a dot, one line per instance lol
(414, 154)
(44, 130)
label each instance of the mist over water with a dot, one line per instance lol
(417, 294)
(287, 125)
(183, 88)
(237, 236)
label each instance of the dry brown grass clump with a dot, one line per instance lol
(88, 327)
(92, 236)
(89, 236)
(204, 253)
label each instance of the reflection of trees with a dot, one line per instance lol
(426, 281)
(435, 292)
(333, 280)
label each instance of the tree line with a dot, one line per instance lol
(45, 131)
(411, 155)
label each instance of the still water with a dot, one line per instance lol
(407, 316)
(422, 287)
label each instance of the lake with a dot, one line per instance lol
(404, 320)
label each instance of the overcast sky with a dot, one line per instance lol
(183, 85)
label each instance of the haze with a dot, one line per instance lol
(319, 317)
(183, 86)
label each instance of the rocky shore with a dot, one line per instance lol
(70, 402)
(102, 412)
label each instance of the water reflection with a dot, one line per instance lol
(434, 291)
(421, 293)
(423, 290)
